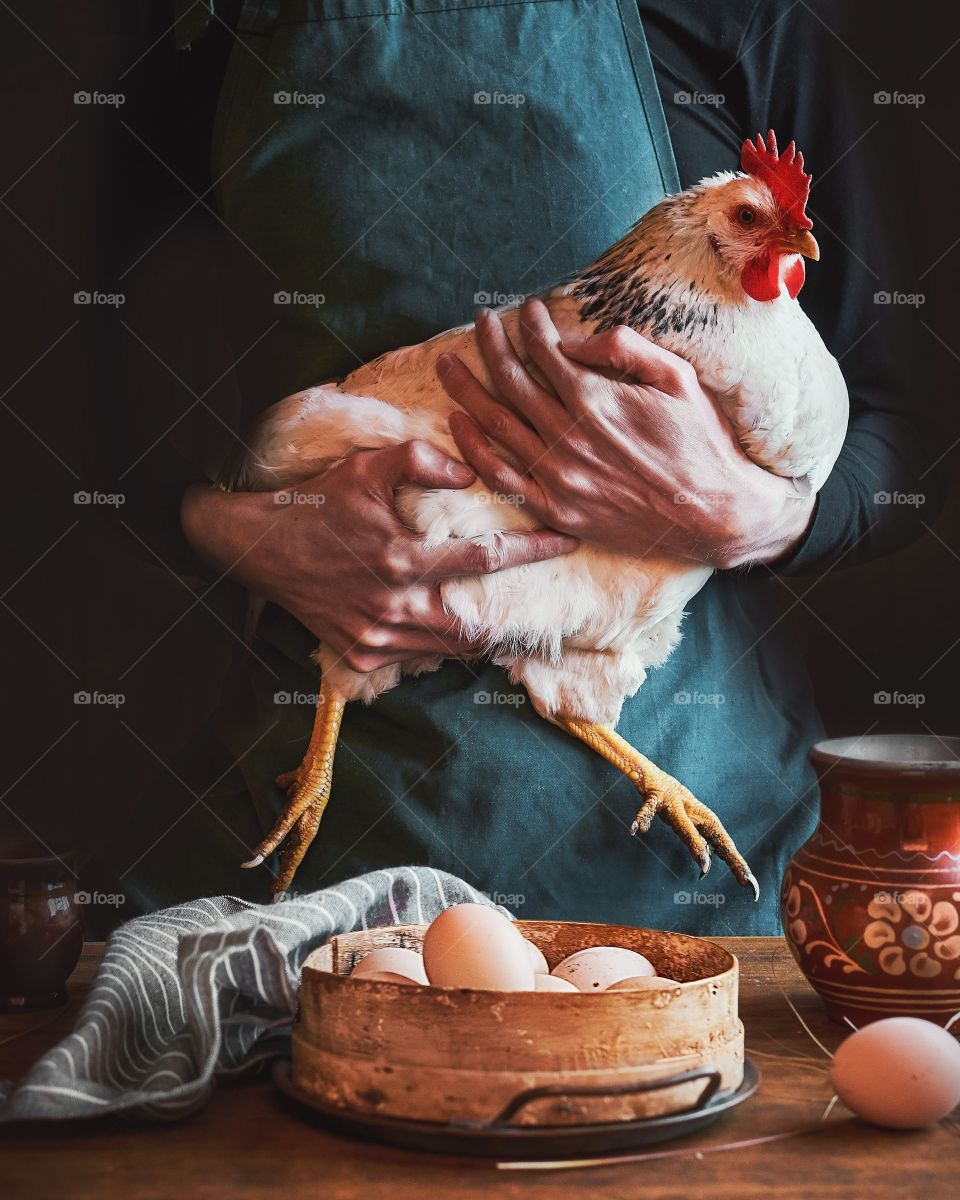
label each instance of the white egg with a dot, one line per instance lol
(385, 977)
(473, 946)
(597, 967)
(901, 1073)
(395, 959)
(537, 961)
(550, 983)
(642, 983)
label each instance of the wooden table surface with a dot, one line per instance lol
(251, 1142)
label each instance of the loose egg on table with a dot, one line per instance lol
(472, 946)
(599, 967)
(901, 1073)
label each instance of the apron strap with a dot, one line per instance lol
(649, 94)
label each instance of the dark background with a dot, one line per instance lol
(114, 200)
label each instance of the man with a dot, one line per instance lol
(398, 164)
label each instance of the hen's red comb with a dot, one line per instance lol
(782, 173)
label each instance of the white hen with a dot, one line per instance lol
(712, 274)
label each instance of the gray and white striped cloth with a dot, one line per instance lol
(203, 990)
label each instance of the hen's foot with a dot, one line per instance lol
(308, 791)
(696, 826)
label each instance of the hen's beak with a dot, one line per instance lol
(798, 241)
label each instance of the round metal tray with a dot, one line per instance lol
(500, 1139)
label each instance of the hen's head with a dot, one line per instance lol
(756, 221)
(729, 237)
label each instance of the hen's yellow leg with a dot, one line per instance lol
(697, 827)
(308, 790)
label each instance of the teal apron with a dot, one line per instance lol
(393, 163)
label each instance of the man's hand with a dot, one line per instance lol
(627, 450)
(334, 553)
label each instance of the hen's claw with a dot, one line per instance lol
(696, 826)
(308, 790)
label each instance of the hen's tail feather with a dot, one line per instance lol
(242, 470)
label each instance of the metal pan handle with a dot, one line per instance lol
(522, 1099)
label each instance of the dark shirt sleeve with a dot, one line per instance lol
(800, 74)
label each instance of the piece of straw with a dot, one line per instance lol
(570, 1164)
(813, 1036)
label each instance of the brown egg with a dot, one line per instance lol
(473, 946)
(901, 1073)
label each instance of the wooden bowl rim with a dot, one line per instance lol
(727, 975)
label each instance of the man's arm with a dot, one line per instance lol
(797, 72)
(344, 564)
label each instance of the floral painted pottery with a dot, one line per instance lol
(871, 903)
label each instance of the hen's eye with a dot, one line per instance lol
(747, 216)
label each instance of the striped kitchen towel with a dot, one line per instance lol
(203, 990)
